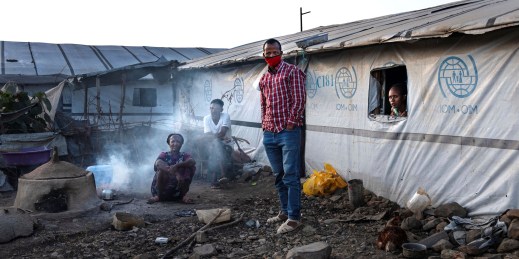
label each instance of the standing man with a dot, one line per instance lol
(283, 98)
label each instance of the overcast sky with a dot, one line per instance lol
(182, 23)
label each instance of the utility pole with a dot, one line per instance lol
(301, 16)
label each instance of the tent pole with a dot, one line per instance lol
(85, 103)
(98, 99)
(123, 96)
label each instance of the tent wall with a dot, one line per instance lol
(196, 89)
(460, 146)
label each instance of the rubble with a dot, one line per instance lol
(349, 232)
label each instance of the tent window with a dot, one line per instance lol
(380, 83)
(145, 97)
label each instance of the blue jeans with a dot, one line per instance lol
(284, 153)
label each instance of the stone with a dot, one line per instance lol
(15, 223)
(442, 245)
(508, 245)
(201, 237)
(431, 224)
(472, 235)
(411, 223)
(317, 250)
(206, 250)
(452, 254)
(471, 250)
(433, 239)
(308, 230)
(267, 168)
(441, 226)
(335, 197)
(450, 209)
(512, 214)
(331, 221)
(513, 229)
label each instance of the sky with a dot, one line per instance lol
(186, 23)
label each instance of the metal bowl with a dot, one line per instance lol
(413, 250)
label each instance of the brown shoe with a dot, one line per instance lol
(279, 218)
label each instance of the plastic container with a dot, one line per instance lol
(102, 174)
(27, 156)
(419, 202)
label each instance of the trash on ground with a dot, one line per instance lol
(323, 182)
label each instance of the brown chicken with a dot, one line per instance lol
(392, 236)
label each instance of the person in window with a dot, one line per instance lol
(174, 171)
(398, 100)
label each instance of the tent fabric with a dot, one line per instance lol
(465, 17)
(459, 147)
(15, 142)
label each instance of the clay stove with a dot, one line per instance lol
(57, 186)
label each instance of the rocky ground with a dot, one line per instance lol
(350, 232)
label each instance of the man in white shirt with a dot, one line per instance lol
(217, 129)
(218, 123)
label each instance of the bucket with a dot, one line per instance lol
(356, 192)
(102, 174)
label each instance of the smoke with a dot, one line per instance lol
(132, 160)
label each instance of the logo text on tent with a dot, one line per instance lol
(463, 109)
(344, 81)
(456, 77)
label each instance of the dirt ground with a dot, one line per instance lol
(91, 234)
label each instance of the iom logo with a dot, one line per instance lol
(345, 83)
(311, 86)
(208, 90)
(238, 89)
(455, 76)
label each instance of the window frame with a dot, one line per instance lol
(379, 82)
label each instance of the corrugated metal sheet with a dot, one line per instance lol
(468, 17)
(42, 59)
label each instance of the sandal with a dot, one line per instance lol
(223, 181)
(280, 217)
(289, 225)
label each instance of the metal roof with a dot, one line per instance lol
(468, 17)
(27, 61)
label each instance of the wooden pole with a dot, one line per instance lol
(121, 107)
(85, 104)
(98, 100)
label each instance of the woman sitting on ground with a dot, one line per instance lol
(174, 171)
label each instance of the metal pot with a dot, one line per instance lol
(107, 194)
(414, 250)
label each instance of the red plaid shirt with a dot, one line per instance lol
(283, 97)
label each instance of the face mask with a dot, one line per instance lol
(273, 61)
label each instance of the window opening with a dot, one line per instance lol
(383, 107)
(145, 97)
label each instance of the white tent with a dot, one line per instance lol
(459, 64)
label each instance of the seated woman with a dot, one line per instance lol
(174, 171)
(398, 100)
